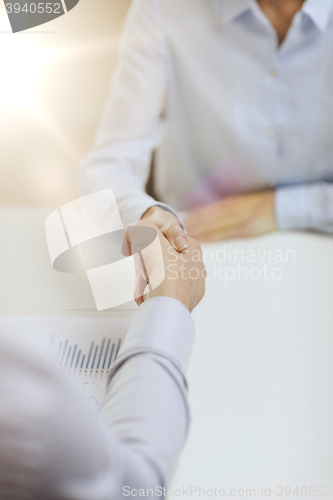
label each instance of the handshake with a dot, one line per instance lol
(143, 261)
(184, 272)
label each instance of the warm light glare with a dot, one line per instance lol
(22, 62)
(51, 95)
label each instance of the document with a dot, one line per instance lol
(83, 349)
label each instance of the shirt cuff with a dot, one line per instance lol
(135, 207)
(292, 207)
(164, 326)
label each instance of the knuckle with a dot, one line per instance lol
(176, 228)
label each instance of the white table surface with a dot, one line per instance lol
(261, 376)
(29, 285)
(261, 373)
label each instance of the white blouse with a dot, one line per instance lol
(205, 83)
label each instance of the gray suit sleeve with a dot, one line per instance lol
(56, 448)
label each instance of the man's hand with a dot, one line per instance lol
(234, 217)
(168, 225)
(185, 272)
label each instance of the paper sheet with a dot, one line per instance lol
(83, 349)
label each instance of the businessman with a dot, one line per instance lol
(53, 447)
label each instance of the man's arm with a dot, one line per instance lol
(58, 449)
(146, 402)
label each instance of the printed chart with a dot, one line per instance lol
(83, 349)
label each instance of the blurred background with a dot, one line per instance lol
(53, 85)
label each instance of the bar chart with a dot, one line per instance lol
(77, 359)
(83, 349)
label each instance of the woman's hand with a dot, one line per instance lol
(163, 271)
(238, 216)
(168, 224)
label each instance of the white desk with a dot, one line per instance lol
(261, 374)
(29, 286)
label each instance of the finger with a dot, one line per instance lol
(176, 236)
(140, 285)
(126, 245)
(145, 293)
(139, 301)
(140, 281)
(137, 237)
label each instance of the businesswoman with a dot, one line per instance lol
(236, 96)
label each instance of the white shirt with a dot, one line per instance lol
(53, 447)
(241, 114)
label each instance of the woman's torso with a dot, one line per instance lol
(242, 114)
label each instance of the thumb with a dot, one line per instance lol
(176, 236)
